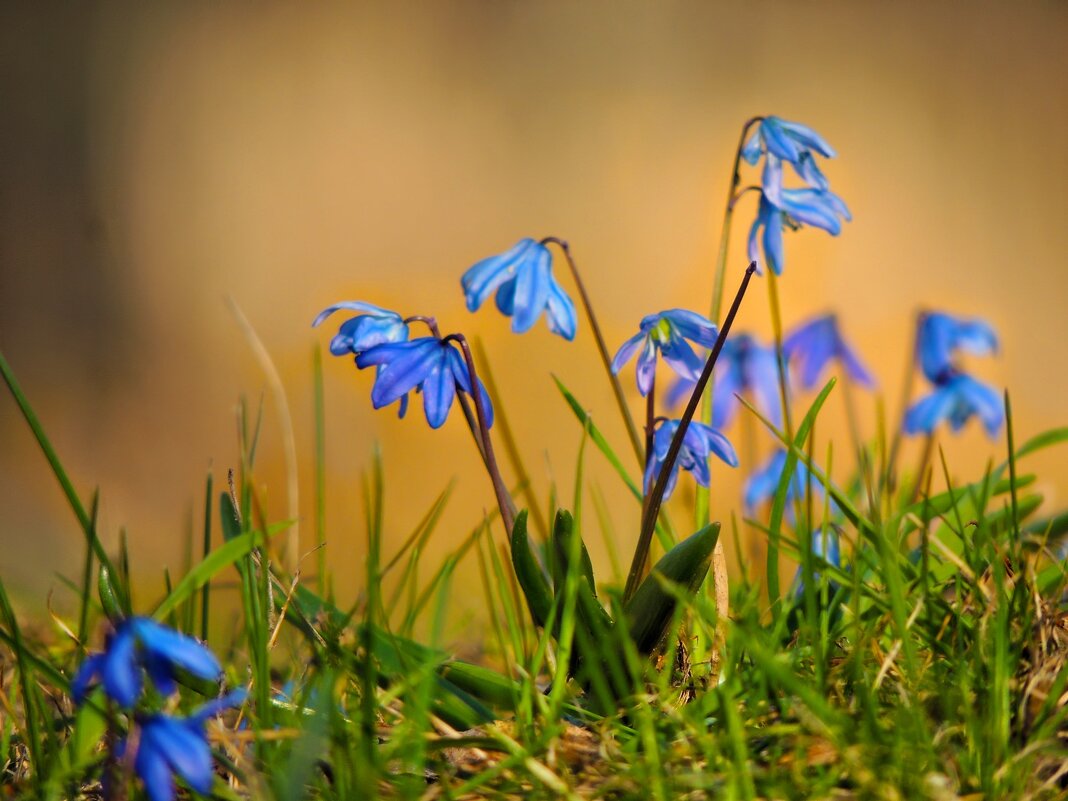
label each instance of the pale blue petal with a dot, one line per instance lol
(695, 327)
(681, 358)
(506, 298)
(626, 350)
(772, 180)
(560, 313)
(925, 415)
(810, 172)
(356, 305)
(646, 368)
(807, 137)
(721, 446)
(480, 280)
(773, 251)
(531, 289)
(751, 151)
(439, 390)
(778, 141)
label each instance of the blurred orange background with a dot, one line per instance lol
(157, 158)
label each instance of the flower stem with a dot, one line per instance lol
(701, 500)
(889, 479)
(656, 497)
(921, 467)
(504, 498)
(617, 389)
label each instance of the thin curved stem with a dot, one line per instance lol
(656, 497)
(504, 498)
(602, 348)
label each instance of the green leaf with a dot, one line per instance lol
(529, 573)
(651, 608)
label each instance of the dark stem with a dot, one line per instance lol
(617, 389)
(740, 194)
(656, 497)
(504, 499)
(431, 323)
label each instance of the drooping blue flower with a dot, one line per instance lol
(956, 399)
(941, 336)
(374, 327)
(523, 279)
(811, 346)
(744, 367)
(173, 746)
(794, 208)
(825, 546)
(764, 482)
(791, 142)
(428, 365)
(140, 643)
(666, 332)
(698, 444)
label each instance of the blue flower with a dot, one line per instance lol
(698, 444)
(666, 332)
(375, 327)
(140, 643)
(171, 746)
(792, 142)
(956, 398)
(941, 336)
(810, 347)
(744, 366)
(428, 365)
(794, 208)
(525, 287)
(764, 482)
(825, 546)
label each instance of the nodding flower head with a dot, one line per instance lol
(141, 644)
(375, 326)
(812, 346)
(941, 336)
(172, 746)
(699, 443)
(428, 365)
(792, 142)
(525, 286)
(793, 208)
(956, 398)
(666, 333)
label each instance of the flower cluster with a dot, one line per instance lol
(168, 745)
(778, 141)
(956, 396)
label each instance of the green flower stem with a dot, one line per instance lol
(701, 502)
(889, 479)
(656, 497)
(921, 467)
(617, 389)
(504, 498)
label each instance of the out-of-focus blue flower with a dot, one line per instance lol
(667, 332)
(763, 483)
(956, 399)
(942, 335)
(140, 643)
(523, 279)
(825, 546)
(793, 208)
(374, 327)
(810, 347)
(171, 746)
(428, 365)
(698, 444)
(792, 142)
(744, 366)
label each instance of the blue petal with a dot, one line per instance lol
(680, 356)
(695, 327)
(773, 241)
(753, 249)
(977, 337)
(645, 371)
(811, 207)
(506, 298)
(365, 332)
(88, 671)
(810, 172)
(772, 179)
(184, 748)
(983, 401)
(404, 367)
(460, 374)
(807, 137)
(232, 699)
(855, 368)
(439, 389)
(721, 446)
(925, 415)
(761, 373)
(121, 672)
(751, 151)
(763, 483)
(151, 765)
(560, 313)
(680, 390)
(485, 276)
(626, 350)
(531, 289)
(356, 305)
(176, 648)
(778, 141)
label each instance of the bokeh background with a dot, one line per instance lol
(158, 158)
